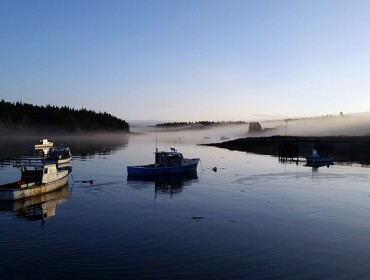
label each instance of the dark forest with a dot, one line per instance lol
(28, 118)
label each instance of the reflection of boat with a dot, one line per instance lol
(59, 155)
(43, 143)
(316, 158)
(165, 163)
(40, 207)
(35, 179)
(166, 184)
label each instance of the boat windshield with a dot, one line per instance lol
(168, 158)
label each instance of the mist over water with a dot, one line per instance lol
(196, 134)
(347, 125)
(350, 125)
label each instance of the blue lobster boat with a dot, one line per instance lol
(165, 163)
(316, 158)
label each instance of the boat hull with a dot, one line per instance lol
(14, 192)
(168, 179)
(151, 169)
(59, 196)
(319, 164)
(319, 159)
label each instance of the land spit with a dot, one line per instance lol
(343, 148)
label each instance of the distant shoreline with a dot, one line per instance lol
(343, 148)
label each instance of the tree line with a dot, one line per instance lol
(204, 123)
(28, 118)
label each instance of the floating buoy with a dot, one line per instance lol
(86, 181)
(214, 169)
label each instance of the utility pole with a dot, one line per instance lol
(286, 125)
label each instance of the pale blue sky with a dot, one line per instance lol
(188, 60)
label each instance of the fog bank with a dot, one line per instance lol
(345, 125)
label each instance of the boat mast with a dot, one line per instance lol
(156, 161)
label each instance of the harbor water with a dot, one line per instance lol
(251, 218)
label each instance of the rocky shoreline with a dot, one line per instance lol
(343, 148)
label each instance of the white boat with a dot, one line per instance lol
(43, 143)
(35, 179)
(316, 158)
(59, 155)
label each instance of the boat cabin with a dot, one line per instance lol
(168, 159)
(38, 173)
(60, 152)
(315, 153)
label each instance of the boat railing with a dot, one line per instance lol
(26, 161)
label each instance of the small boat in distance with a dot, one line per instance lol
(35, 179)
(316, 158)
(44, 143)
(316, 165)
(165, 163)
(59, 155)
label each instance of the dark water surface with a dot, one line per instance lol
(254, 218)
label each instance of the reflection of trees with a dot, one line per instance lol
(87, 145)
(14, 147)
(97, 145)
(41, 207)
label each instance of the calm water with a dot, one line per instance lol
(254, 218)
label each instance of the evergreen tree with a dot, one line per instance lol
(22, 116)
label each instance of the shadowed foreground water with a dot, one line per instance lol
(254, 218)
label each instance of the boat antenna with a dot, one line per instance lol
(156, 139)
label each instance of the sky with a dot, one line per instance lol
(188, 60)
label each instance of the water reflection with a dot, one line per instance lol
(98, 145)
(82, 146)
(41, 207)
(166, 184)
(316, 165)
